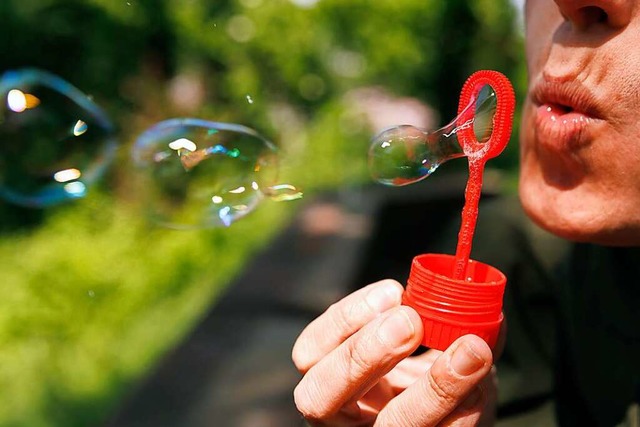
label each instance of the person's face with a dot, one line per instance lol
(580, 137)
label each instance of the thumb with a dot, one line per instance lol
(452, 377)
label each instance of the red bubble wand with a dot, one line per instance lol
(477, 152)
(453, 295)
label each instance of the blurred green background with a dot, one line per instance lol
(91, 295)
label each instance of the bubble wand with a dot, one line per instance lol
(453, 295)
(479, 152)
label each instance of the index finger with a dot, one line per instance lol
(343, 319)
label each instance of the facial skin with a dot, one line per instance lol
(580, 137)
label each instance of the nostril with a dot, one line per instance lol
(584, 14)
(589, 15)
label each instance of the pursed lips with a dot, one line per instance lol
(566, 113)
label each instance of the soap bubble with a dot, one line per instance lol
(199, 173)
(54, 141)
(485, 109)
(405, 154)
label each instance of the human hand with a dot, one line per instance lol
(356, 369)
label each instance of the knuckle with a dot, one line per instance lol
(349, 318)
(358, 356)
(340, 317)
(443, 389)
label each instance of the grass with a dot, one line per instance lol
(94, 296)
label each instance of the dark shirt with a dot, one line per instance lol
(598, 345)
(573, 314)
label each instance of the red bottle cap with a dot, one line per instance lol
(451, 308)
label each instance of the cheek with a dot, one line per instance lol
(601, 209)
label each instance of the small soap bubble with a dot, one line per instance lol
(402, 155)
(199, 174)
(54, 141)
(405, 154)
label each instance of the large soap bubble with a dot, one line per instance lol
(199, 173)
(54, 141)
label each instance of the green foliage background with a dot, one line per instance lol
(91, 295)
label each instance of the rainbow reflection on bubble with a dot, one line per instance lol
(55, 142)
(198, 173)
(405, 154)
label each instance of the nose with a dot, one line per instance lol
(584, 14)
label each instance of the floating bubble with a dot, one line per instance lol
(405, 154)
(54, 141)
(199, 173)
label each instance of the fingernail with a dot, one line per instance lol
(465, 361)
(396, 329)
(472, 400)
(383, 298)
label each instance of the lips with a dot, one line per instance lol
(567, 115)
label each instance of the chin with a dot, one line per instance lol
(580, 215)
